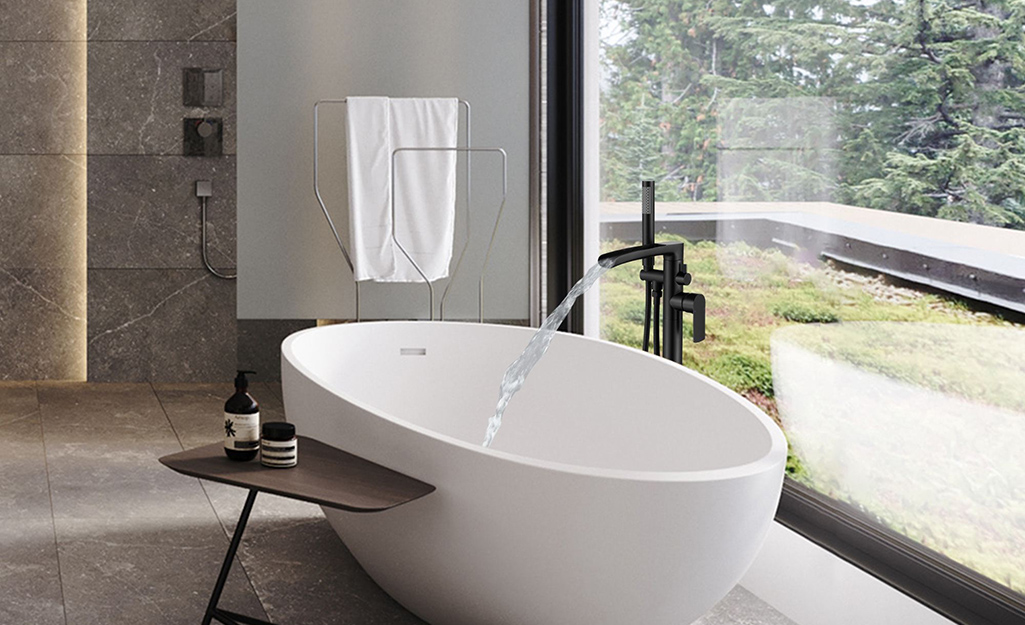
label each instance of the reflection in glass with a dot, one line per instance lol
(921, 425)
(777, 149)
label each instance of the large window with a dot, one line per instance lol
(849, 176)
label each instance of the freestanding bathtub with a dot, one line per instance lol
(621, 489)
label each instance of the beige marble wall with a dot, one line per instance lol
(42, 190)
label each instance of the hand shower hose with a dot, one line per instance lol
(206, 259)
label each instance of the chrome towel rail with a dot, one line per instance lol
(331, 223)
(494, 229)
(468, 150)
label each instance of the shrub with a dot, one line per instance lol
(805, 312)
(742, 372)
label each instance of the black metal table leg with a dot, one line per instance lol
(212, 611)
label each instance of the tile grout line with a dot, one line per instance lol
(49, 493)
(224, 528)
(274, 390)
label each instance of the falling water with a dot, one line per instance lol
(536, 348)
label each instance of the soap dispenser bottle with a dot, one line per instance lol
(241, 422)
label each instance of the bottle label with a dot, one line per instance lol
(278, 453)
(242, 431)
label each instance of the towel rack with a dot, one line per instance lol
(469, 150)
(494, 229)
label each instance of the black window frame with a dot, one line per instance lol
(948, 587)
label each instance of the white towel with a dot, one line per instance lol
(425, 186)
(369, 139)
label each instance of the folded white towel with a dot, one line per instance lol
(425, 186)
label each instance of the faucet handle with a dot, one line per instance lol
(693, 303)
(683, 277)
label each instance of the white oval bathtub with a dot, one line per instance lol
(621, 489)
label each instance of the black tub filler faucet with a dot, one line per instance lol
(672, 277)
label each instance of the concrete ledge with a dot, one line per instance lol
(972, 261)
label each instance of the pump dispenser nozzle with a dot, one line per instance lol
(241, 382)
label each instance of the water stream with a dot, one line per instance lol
(518, 371)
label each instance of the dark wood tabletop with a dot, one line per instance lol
(324, 475)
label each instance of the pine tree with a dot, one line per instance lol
(955, 148)
(926, 97)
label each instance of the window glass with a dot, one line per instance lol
(849, 177)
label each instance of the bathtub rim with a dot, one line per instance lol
(775, 455)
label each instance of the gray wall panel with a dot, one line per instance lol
(290, 55)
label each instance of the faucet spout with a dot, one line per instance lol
(641, 252)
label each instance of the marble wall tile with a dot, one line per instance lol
(143, 212)
(44, 97)
(177, 324)
(259, 343)
(160, 325)
(42, 324)
(161, 20)
(42, 211)
(133, 97)
(42, 189)
(135, 94)
(42, 20)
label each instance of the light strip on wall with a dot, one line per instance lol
(82, 262)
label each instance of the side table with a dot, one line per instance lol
(325, 475)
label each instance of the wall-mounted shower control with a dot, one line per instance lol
(203, 136)
(202, 87)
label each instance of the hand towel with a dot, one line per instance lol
(425, 186)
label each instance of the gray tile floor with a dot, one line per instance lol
(94, 531)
